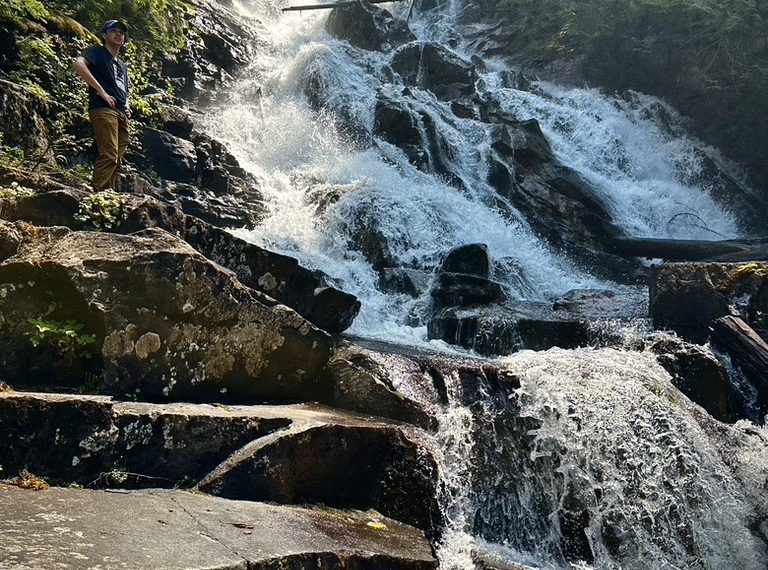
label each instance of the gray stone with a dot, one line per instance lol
(472, 259)
(698, 374)
(171, 157)
(87, 439)
(219, 339)
(310, 293)
(366, 26)
(498, 330)
(364, 381)
(178, 530)
(433, 67)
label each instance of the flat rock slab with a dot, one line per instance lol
(79, 529)
(76, 438)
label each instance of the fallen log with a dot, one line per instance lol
(692, 250)
(747, 351)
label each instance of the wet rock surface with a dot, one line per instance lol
(350, 465)
(366, 26)
(176, 530)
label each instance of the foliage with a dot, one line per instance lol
(67, 337)
(160, 23)
(14, 191)
(102, 211)
(12, 10)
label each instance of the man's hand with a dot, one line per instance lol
(108, 98)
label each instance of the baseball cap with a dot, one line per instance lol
(112, 24)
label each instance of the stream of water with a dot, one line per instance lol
(609, 430)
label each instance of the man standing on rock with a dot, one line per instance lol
(107, 79)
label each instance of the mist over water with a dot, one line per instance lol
(611, 428)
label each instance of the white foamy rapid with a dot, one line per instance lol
(302, 160)
(650, 174)
(663, 492)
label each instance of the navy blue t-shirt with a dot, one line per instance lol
(112, 75)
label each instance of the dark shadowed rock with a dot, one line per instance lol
(309, 292)
(463, 290)
(171, 157)
(403, 123)
(352, 464)
(176, 121)
(559, 203)
(164, 320)
(472, 259)
(687, 297)
(433, 67)
(698, 374)
(500, 330)
(367, 27)
(219, 43)
(94, 440)
(177, 530)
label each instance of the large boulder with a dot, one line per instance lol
(366, 26)
(170, 156)
(559, 203)
(310, 293)
(493, 330)
(403, 122)
(351, 462)
(698, 374)
(435, 68)
(95, 440)
(367, 382)
(220, 43)
(156, 318)
(688, 297)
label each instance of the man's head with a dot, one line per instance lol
(114, 32)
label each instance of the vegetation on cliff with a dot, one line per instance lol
(709, 58)
(39, 42)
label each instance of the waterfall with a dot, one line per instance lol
(665, 487)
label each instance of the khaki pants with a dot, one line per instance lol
(112, 135)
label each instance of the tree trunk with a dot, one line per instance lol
(747, 351)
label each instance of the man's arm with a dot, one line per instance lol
(81, 68)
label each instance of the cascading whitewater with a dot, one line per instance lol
(591, 438)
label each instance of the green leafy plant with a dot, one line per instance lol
(67, 337)
(11, 194)
(102, 211)
(12, 10)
